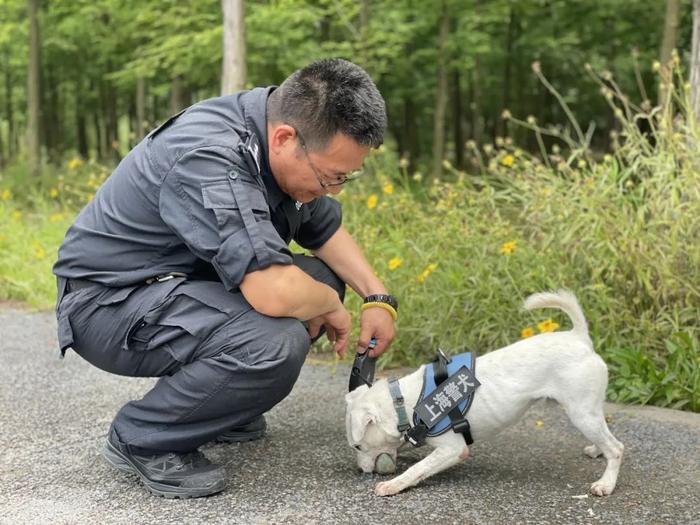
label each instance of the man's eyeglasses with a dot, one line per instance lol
(323, 180)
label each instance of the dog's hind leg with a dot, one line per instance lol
(591, 423)
(583, 397)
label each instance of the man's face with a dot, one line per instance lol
(305, 174)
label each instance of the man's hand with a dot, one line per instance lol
(337, 323)
(377, 323)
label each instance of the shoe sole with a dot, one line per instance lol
(243, 437)
(121, 462)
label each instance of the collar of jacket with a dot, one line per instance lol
(254, 106)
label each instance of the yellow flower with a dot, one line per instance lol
(508, 160)
(90, 196)
(425, 273)
(394, 263)
(508, 247)
(75, 163)
(39, 253)
(56, 217)
(53, 192)
(388, 188)
(6, 194)
(547, 326)
(16, 215)
(527, 332)
(372, 201)
(539, 423)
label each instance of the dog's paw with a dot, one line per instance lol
(387, 488)
(592, 451)
(602, 489)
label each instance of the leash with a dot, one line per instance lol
(363, 367)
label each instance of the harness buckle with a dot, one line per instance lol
(461, 426)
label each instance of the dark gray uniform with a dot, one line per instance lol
(195, 197)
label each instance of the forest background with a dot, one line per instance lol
(532, 145)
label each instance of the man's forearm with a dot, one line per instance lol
(345, 257)
(287, 291)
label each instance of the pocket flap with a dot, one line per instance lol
(219, 194)
(115, 295)
(65, 333)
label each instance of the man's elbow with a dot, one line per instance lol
(266, 294)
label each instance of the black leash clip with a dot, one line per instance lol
(363, 368)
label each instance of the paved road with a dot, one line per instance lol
(54, 416)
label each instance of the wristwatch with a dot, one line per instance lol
(383, 298)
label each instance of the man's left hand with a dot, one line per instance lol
(377, 323)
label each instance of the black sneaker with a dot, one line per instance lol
(250, 432)
(171, 475)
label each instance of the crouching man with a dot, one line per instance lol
(179, 268)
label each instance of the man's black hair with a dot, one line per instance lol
(329, 96)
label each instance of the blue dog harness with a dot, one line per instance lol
(448, 390)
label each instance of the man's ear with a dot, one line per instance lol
(352, 396)
(359, 420)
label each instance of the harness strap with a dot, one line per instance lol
(459, 422)
(399, 406)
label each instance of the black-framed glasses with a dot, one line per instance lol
(322, 179)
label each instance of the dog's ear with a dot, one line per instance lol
(351, 396)
(360, 419)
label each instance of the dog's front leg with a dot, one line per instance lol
(443, 457)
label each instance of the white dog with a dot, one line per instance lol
(559, 365)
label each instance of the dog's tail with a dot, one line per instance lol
(564, 300)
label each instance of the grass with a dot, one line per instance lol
(461, 252)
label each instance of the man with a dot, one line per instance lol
(179, 267)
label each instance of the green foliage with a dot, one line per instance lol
(670, 381)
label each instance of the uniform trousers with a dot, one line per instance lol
(221, 364)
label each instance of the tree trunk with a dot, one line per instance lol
(457, 120)
(52, 118)
(695, 63)
(111, 120)
(233, 77)
(140, 108)
(411, 143)
(80, 124)
(441, 94)
(9, 109)
(33, 91)
(668, 44)
(364, 33)
(507, 74)
(178, 95)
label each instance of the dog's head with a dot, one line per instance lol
(370, 422)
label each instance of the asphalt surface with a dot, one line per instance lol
(55, 414)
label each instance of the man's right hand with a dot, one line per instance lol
(338, 324)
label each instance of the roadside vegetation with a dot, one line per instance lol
(461, 251)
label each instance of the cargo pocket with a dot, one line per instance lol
(65, 334)
(231, 214)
